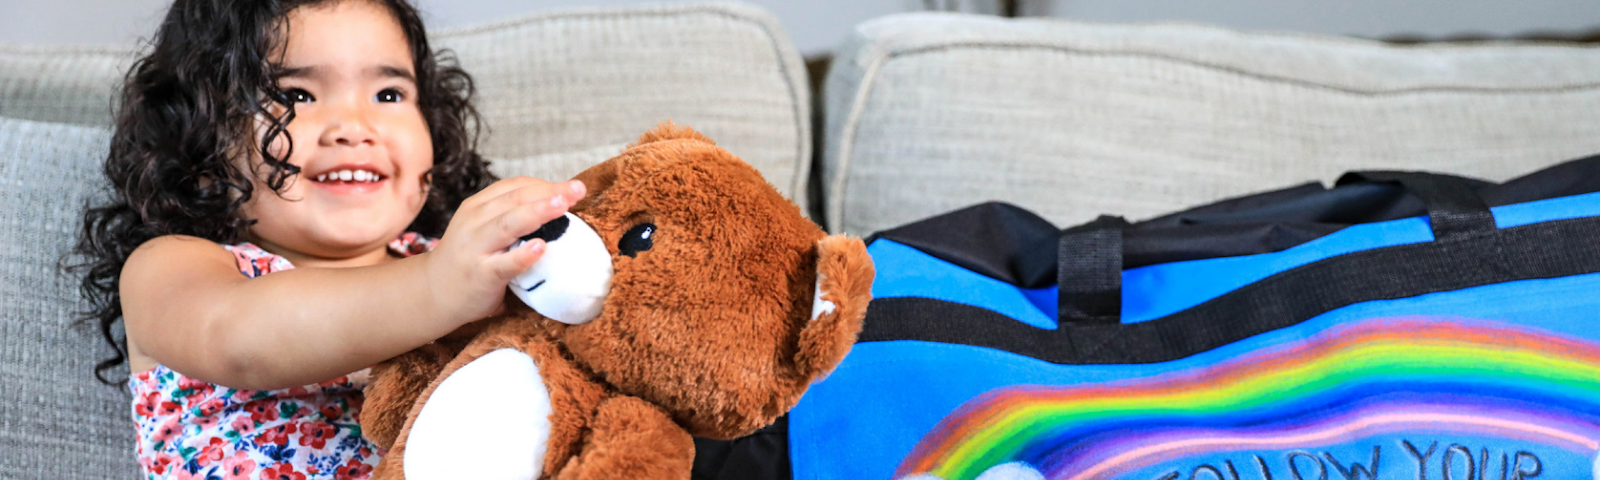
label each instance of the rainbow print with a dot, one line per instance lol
(1353, 381)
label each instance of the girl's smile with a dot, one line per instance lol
(350, 178)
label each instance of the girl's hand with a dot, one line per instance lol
(469, 269)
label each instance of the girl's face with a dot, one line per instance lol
(359, 139)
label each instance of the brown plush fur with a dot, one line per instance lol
(709, 333)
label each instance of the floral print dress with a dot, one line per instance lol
(192, 429)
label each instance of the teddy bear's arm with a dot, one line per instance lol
(631, 438)
(489, 398)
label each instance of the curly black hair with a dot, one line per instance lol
(199, 99)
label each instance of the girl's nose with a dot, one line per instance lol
(348, 127)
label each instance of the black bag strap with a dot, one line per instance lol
(1089, 256)
(1089, 272)
(1455, 210)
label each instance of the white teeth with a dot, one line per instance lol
(349, 176)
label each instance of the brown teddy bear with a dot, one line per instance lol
(684, 296)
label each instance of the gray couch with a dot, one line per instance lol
(924, 113)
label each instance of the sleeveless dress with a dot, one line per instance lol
(188, 428)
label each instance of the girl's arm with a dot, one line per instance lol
(186, 305)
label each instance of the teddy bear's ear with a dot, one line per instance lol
(597, 179)
(844, 287)
(668, 131)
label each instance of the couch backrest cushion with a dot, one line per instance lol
(566, 90)
(63, 84)
(559, 90)
(56, 420)
(930, 112)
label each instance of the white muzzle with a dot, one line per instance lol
(570, 282)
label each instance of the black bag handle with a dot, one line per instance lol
(1089, 256)
(1455, 210)
(1089, 272)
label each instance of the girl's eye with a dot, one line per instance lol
(390, 95)
(295, 95)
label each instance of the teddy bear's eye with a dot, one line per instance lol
(638, 239)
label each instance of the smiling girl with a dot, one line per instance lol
(316, 147)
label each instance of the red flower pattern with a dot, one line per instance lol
(282, 471)
(159, 463)
(278, 435)
(316, 434)
(261, 265)
(211, 453)
(263, 410)
(184, 474)
(352, 470)
(146, 404)
(196, 387)
(238, 467)
(210, 407)
(243, 425)
(166, 431)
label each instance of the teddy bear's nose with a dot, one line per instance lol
(550, 231)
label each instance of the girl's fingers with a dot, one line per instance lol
(519, 220)
(533, 194)
(496, 189)
(512, 263)
(575, 190)
(509, 209)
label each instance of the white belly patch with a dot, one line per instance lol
(488, 420)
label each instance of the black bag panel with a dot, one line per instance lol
(763, 455)
(1152, 246)
(1311, 202)
(984, 238)
(1575, 177)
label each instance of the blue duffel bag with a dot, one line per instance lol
(1396, 326)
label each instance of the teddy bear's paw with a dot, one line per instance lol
(633, 439)
(490, 419)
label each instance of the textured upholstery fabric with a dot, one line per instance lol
(61, 84)
(931, 112)
(560, 91)
(572, 82)
(566, 90)
(56, 420)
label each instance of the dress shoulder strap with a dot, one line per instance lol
(255, 262)
(411, 243)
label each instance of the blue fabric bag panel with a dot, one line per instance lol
(1492, 371)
